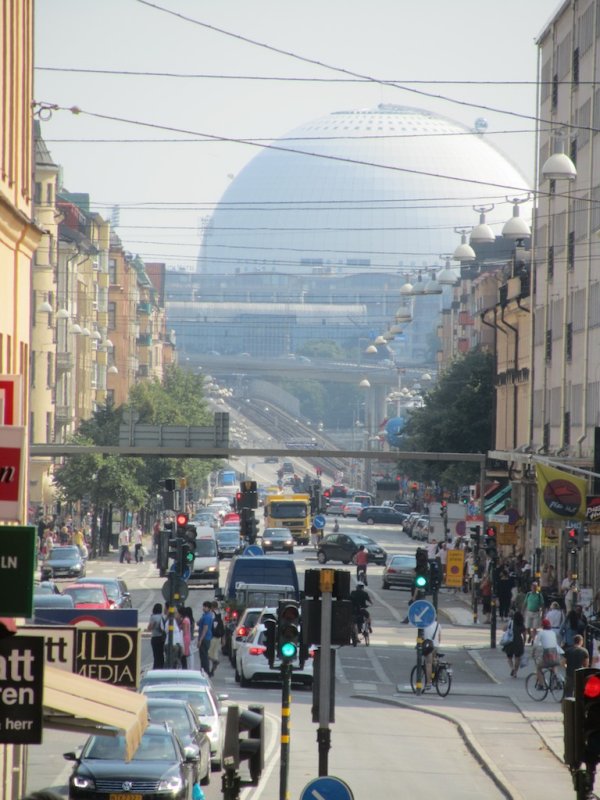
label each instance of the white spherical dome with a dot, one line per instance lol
(287, 211)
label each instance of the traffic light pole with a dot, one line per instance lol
(325, 688)
(420, 664)
(284, 766)
(475, 581)
(574, 576)
(494, 622)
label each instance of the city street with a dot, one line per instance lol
(486, 739)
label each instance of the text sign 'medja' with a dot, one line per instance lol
(17, 553)
(21, 689)
(111, 655)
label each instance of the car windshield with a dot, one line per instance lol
(403, 561)
(277, 534)
(229, 536)
(285, 510)
(195, 697)
(60, 553)
(175, 716)
(362, 540)
(206, 547)
(153, 747)
(85, 594)
(111, 588)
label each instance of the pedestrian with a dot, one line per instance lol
(505, 585)
(138, 545)
(546, 651)
(158, 636)
(314, 536)
(124, 542)
(218, 631)
(515, 648)
(205, 625)
(572, 626)
(575, 658)
(177, 644)
(485, 592)
(534, 604)
(186, 632)
(556, 617)
(433, 634)
(361, 560)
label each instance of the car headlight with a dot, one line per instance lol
(79, 782)
(172, 784)
(266, 541)
(212, 569)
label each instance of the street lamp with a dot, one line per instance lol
(559, 167)
(516, 228)
(464, 251)
(482, 233)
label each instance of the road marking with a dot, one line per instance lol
(364, 687)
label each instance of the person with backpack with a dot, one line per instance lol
(534, 605)
(218, 631)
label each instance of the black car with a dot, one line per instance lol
(116, 589)
(381, 514)
(182, 718)
(160, 768)
(228, 542)
(344, 546)
(63, 561)
(277, 539)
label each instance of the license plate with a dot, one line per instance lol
(124, 796)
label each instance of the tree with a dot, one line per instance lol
(457, 418)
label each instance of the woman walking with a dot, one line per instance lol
(516, 647)
(158, 635)
(186, 632)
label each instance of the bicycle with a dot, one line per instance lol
(441, 675)
(553, 682)
(361, 627)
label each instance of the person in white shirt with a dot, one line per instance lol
(546, 650)
(124, 541)
(432, 632)
(556, 617)
(432, 549)
(138, 542)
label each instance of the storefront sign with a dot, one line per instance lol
(455, 565)
(11, 391)
(17, 554)
(506, 534)
(21, 689)
(59, 644)
(12, 472)
(111, 655)
(550, 536)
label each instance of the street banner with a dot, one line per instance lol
(455, 565)
(17, 556)
(592, 516)
(560, 495)
(12, 472)
(550, 536)
(21, 689)
(59, 644)
(110, 655)
(11, 389)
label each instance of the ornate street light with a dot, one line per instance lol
(482, 233)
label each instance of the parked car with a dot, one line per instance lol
(205, 703)
(352, 509)
(381, 515)
(252, 665)
(181, 717)
(410, 521)
(399, 571)
(89, 595)
(46, 587)
(116, 589)
(159, 761)
(229, 543)
(155, 677)
(344, 546)
(277, 539)
(421, 529)
(63, 561)
(240, 629)
(335, 507)
(207, 517)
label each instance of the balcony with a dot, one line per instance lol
(144, 308)
(144, 340)
(65, 362)
(63, 415)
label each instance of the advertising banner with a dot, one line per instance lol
(110, 655)
(550, 535)
(11, 391)
(21, 689)
(560, 494)
(12, 472)
(17, 554)
(59, 644)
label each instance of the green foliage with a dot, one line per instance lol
(457, 418)
(326, 349)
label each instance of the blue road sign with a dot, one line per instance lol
(327, 788)
(253, 550)
(421, 613)
(319, 522)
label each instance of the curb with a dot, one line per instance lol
(482, 758)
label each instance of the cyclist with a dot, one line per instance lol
(432, 633)
(362, 559)
(360, 599)
(336, 526)
(546, 651)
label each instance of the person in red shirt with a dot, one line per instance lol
(361, 561)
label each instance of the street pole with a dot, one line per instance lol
(475, 580)
(494, 622)
(420, 665)
(325, 688)
(284, 766)
(574, 576)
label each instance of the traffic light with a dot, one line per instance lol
(422, 574)
(188, 554)
(250, 747)
(181, 520)
(238, 500)
(247, 497)
(270, 638)
(475, 534)
(249, 528)
(490, 543)
(288, 630)
(443, 509)
(587, 715)
(175, 554)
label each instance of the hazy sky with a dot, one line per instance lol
(469, 51)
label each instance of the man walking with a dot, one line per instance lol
(124, 542)
(205, 632)
(534, 604)
(139, 543)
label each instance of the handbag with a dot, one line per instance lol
(507, 636)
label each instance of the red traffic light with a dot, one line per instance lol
(572, 534)
(182, 520)
(490, 532)
(591, 690)
(444, 504)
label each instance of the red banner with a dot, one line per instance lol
(12, 472)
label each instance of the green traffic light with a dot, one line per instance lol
(288, 650)
(189, 558)
(421, 581)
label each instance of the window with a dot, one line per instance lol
(112, 316)
(38, 193)
(569, 341)
(566, 429)
(554, 92)
(546, 436)
(571, 250)
(112, 270)
(48, 427)
(575, 68)
(50, 371)
(49, 194)
(33, 369)
(550, 262)
(548, 346)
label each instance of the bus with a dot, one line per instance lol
(226, 477)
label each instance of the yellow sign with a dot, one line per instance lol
(560, 494)
(455, 566)
(550, 536)
(506, 533)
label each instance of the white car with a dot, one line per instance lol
(352, 509)
(205, 703)
(251, 662)
(242, 628)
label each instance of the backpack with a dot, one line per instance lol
(218, 628)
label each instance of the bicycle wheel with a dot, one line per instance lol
(443, 681)
(531, 685)
(557, 684)
(413, 679)
(366, 635)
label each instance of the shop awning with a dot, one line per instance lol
(496, 502)
(84, 705)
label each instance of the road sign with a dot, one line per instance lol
(327, 788)
(319, 522)
(421, 613)
(180, 588)
(17, 553)
(253, 550)
(21, 689)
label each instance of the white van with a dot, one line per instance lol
(206, 563)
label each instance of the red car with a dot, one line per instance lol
(231, 517)
(89, 595)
